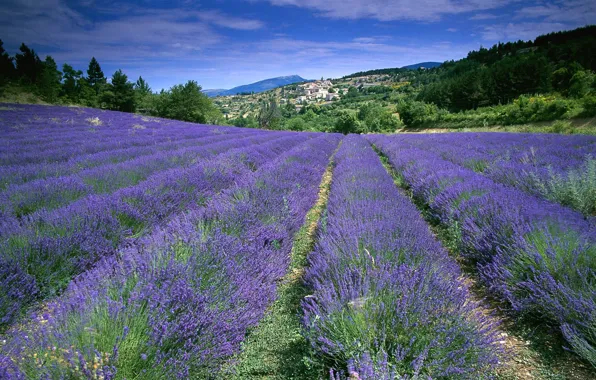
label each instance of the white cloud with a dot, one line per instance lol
(364, 40)
(577, 12)
(390, 10)
(532, 21)
(484, 16)
(451, 30)
(135, 35)
(520, 31)
(226, 21)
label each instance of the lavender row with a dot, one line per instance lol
(19, 174)
(34, 125)
(538, 256)
(54, 192)
(66, 147)
(180, 302)
(387, 300)
(41, 255)
(37, 145)
(558, 168)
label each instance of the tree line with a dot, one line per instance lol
(27, 72)
(561, 62)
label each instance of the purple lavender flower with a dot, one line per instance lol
(387, 300)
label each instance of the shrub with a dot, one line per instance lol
(576, 188)
(296, 124)
(416, 113)
(581, 83)
(346, 123)
(561, 126)
(589, 105)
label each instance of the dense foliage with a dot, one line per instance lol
(26, 72)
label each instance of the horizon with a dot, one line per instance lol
(225, 44)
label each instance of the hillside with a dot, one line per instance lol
(260, 86)
(542, 84)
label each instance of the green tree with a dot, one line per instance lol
(375, 118)
(296, 124)
(414, 113)
(95, 76)
(142, 87)
(345, 123)
(269, 115)
(119, 95)
(71, 83)
(387, 122)
(187, 102)
(352, 93)
(514, 76)
(288, 111)
(50, 80)
(581, 83)
(245, 122)
(143, 94)
(7, 69)
(29, 67)
(87, 95)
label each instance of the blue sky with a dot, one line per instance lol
(224, 43)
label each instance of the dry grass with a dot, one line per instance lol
(572, 126)
(95, 121)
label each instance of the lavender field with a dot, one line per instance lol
(142, 248)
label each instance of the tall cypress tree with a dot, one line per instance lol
(95, 76)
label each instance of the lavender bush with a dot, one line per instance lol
(536, 255)
(43, 250)
(387, 300)
(555, 167)
(180, 300)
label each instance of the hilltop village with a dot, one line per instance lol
(322, 92)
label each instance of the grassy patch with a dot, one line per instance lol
(276, 349)
(575, 189)
(572, 126)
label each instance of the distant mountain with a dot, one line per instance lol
(426, 65)
(214, 92)
(256, 87)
